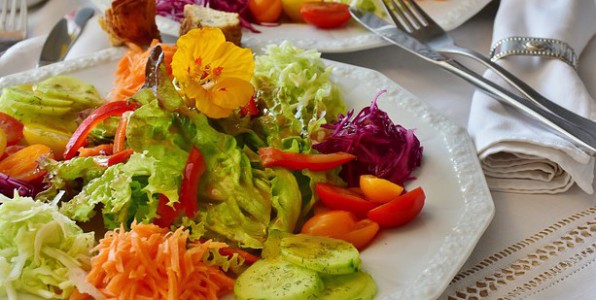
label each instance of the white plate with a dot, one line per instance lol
(416, 261)
(447, 13)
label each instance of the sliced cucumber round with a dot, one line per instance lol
(321, 254)
(354, 286)
(277, 280)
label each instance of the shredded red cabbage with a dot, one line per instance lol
(174, 9)
(8, 185)
(382, 148)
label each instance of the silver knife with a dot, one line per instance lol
(63, 36)
(576, 134)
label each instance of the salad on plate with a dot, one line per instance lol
(206, 172)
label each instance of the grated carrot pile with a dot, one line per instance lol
(150, 262)
(130, 74)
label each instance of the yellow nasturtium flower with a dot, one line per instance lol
(213, 73)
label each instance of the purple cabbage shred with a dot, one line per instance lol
(382, 148)
(8, 185)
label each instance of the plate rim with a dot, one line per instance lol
(441, 268)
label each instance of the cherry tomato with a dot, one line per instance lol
(3, 140)
(379, 190)
(362, 234)
(40, 134)
(292, 9)
(325, 15)
(265, 10)
(12, 127)
(333, 223)
(340, 224)
(339, 198)
(400, 210)
(23, 164)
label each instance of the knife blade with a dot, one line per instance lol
(63, 35)
(575, 134)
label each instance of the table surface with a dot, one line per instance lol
(517, 216)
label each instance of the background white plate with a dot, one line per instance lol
(416, 261)
(353, 37)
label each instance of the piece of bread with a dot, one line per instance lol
(197, 16)
(130, 21)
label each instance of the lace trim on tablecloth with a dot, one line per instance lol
(533, 265)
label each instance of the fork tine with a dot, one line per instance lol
(414, 22)
(3, 15)
(421, 15)
(23, 17)
(398, 18)
(10, 25)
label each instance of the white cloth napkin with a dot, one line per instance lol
(516, 153)
(25, 54)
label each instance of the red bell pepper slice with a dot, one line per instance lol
(271, 157)
(400, 210)
(339, 198)
(120, 137)
(113, 159)
(250, 108)
(189, 189)
(249, 258)
(79, 138)
(103, 149)
(166, 213)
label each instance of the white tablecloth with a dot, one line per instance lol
(524, 225)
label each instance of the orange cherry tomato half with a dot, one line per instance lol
(339, 198)
(362, 234)
(23, 164)
(325, 15)
(12, 127)
(379, 190)
(400, 210)
(332, 223)
(343, 225)
(265, 11)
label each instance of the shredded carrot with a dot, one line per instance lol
(150, 262)
(120, 137)
(130, 75)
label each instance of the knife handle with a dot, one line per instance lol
(583, 138)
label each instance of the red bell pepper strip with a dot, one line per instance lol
(339, 198)
(113, 159)
(79, 138)
(166, 213)
(271, 157)
(249, 258)
(400, 210)
(250, 108)
(189, 189)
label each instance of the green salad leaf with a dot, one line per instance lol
(41, 250)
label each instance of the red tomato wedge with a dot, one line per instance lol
(265, 11)
(12, 127)
(166, 214)
(325, 15)
(271, 157)
(362, 234)
(400, 210)
(340, 198)
(79, 138)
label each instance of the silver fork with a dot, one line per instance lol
(410, 18)
(13, 23)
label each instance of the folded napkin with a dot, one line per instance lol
(25, 54)
(517, 153)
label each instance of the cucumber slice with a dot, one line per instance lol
(321, 254)
(83, 95)
(277, 280)
(354, 286)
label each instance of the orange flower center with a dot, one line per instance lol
(204, 75)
